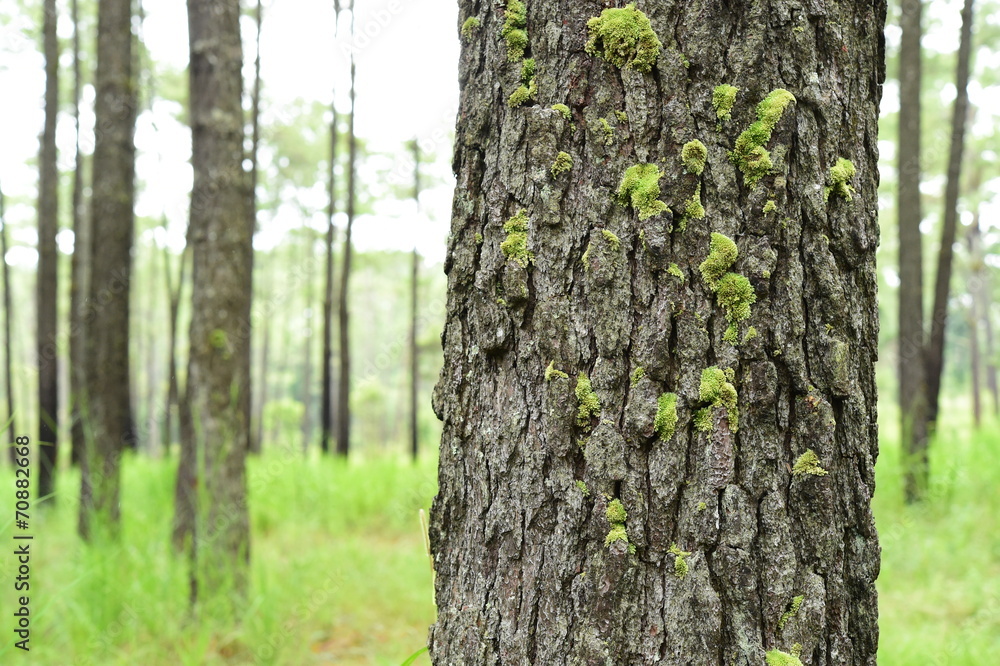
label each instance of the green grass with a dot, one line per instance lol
(939, 589)
(340, 574)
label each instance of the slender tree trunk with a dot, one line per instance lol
(912, 380)
(221, 258)
(80, 268)
(344, 391)
(170, 432)
(48, 259)
(106, 403)
(8, 313)
(973, 318)
(254, 442)
(326, 405)
(262, 378)
(306, 392)
(630, 473)
(414, 351)
(939, 314)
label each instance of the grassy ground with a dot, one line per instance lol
(340, 575)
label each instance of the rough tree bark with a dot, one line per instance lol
(47, 288)
(626, 477)
(934, 354)
(221, 242)
(106, 401)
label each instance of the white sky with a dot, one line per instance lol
(406, 53)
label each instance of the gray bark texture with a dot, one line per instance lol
(573, 527)
(106, 406)
(220, 238)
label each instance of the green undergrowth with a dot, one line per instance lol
(339, 572)
(939, 588)
(340, 575)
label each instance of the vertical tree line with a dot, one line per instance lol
(107, 377)
(344, 389)
(47, 282)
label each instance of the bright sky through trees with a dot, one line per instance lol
(406, 53)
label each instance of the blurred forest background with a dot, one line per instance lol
(339, 570)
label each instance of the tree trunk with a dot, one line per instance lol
(326, 406)
(912, 379)
(222, 250)
(307, 346)
(106, 402)
(173, 393)
(630, 472)
(252, 434)
(414, 351)
(934, 355)
(973, 318)
(344, 391)
(80, 267)
(48, 263)
(8, 312)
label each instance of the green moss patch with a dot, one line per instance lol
(640, 188)
(694, 154)
(624, 37)
(792, 610)
(516, 245)
(589, 405)
(680, 564)
(839, 174)
(716, 390)
(513, 31)
(749, 154)
(470, 27)
(563, 109)
(808, 463)
(722, 254)
(562, 164)
(665, 422)
(723, 98)
(551, 372)
(779, 658)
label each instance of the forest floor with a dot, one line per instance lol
(340, 573)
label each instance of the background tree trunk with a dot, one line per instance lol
(326, 406)
(47, 290)
(79, 267)
(221, 257)
(912, 380)
(107, 376)
(8, 312)
(934, 358)
(253, 440)
(973, 319)
(544, 474)
(344, 391)
(414, 350)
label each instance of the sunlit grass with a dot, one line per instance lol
(339, 573)
(939, 590)
(340, 576)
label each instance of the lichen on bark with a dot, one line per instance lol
(523, 571)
